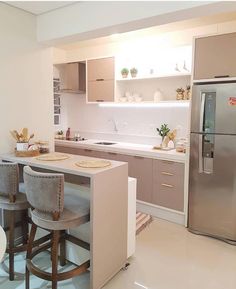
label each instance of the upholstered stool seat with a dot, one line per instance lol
(20, 203)
(75, 213)
(13, 199)
(55, 209)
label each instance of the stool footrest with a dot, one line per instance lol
(77, 241)
(60, 276)
(40, 249)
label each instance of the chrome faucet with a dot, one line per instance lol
(114, 123)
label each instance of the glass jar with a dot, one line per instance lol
(43, 147)
(180, 145)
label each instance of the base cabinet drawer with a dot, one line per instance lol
(168, 184)
(78, 151)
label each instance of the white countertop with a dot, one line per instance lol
(125, 148)
(64, 166)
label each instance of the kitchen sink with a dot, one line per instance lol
(105, 143)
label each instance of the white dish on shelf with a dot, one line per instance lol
(123, 99)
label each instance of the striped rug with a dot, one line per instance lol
(142, 221)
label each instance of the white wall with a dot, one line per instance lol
(26, 79)
(91, 19)
(134, 124)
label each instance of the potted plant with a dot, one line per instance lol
(180, 93)
(124, 72)
(163, 131)
(133, 72)
(60, 134)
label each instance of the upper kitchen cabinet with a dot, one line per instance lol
(101, 80)
(72, 77)
(215, 56)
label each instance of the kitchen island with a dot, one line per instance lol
(108, 190)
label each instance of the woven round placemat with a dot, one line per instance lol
(52, 157)
(93, 163)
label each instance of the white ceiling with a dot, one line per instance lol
(39, 7)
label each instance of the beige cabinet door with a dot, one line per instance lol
(75, 77)
(68, 150)
(101, 91)
(141, 169)
(72, 73)
(168, 184)
(215, 56)
(99, 69)
(117, 157)
(78, 151)
(91, 153)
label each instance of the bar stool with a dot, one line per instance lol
(53, 211)
(11, 200)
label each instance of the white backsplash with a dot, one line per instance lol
(137, 125)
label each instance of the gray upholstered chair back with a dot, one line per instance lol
(9, 180)
(44, 191)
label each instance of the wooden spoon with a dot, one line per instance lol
(25, 134)
(14, 135)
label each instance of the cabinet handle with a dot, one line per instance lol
(168, 162)
(167, 174)
(100, 79)
(110, 153)
(138, 157)
(221, 76)
(87, 150)
(99, 100)
(167, 185)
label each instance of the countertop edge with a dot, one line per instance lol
(169, 156)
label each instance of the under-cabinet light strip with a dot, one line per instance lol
(147, 105)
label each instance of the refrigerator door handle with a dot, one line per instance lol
(200, 154)
(202, 110)
(200, 151)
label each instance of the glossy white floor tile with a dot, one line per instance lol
(167, 257)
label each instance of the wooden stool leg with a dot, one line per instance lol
(55, 244)
(63, 249)
(25, 226)
(11, 244)
(28, 254)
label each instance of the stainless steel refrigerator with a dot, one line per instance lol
(212, 179)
